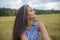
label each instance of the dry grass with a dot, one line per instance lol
(51, 21)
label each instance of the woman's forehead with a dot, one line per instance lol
(29, 8)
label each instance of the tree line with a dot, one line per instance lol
(7, 12)
(13, 12)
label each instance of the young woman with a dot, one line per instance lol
(26, 28)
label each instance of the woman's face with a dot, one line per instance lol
(30, 13)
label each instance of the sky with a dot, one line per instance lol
(35, 4)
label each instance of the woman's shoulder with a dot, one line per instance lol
(39, 22)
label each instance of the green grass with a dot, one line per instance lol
(51, 21)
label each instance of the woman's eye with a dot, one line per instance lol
(31, 10)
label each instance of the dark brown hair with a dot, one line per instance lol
(20, 23)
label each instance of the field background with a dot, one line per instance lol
(51, 21)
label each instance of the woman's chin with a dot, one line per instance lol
(33, 18)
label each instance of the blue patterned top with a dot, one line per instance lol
(33, 33)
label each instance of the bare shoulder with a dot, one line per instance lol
(40, 23)
(43, 30)
(23, 36)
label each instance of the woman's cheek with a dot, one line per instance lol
(33, 16)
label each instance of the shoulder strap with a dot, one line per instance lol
(35, 23)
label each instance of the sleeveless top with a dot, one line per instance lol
(33, 34)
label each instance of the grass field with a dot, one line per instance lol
(51, 21)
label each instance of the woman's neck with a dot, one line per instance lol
(30, 24)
